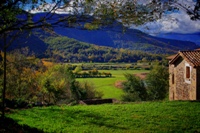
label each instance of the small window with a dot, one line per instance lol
(187, 72)
(172, 78)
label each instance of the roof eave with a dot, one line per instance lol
(175, 58)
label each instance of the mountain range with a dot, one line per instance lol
(112, 36)
(192, 37)
(130, 39)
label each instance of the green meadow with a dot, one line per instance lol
(143, 117)
(107, 85)
(138, 117)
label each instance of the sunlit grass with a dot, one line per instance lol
(119, 118)
(107, 85)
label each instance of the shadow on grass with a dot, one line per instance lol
(8, 125)
(102, 121)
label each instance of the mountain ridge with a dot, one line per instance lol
(130, 39)
(193, 37)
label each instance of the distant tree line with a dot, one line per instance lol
(90, 74)
(112, 66)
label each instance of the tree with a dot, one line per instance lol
(157, 82)
(78, 69)
(22, 72)
(14, 19)
(87, 91)
(20, 77)
(160, 7)
(192, 8)
(154, 87)
(134, 89)
(56, 84)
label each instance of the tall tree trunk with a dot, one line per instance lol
(4, 78)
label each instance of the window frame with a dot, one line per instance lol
(187, 73)
(173, 80)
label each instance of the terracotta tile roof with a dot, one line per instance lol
(192, 57)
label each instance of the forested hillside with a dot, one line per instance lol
(48, 44)
(70, 50)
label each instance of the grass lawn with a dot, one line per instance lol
(144, 117)
(107, 85)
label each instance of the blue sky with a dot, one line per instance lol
(49, 1)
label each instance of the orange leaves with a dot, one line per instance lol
(47, 63)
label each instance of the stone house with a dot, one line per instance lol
(184, 76)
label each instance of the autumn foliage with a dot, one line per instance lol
(33, 81)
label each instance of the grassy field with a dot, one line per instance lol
(143, 117)
(107, 85)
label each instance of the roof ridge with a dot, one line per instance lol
(191, 56)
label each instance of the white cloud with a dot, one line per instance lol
(175, 22)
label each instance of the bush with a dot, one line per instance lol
(158, 83)
(155, 87)
(78, 69)
(56, 84)
(131, 97)
(87, 91)
(134, 89)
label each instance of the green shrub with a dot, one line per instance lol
(56, 84)
(134, 89)
(154, 87)
(158, 83)
(87, 91)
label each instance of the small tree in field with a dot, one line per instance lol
(87, 91)
(77, 69)
(158, 83)
(134, 89)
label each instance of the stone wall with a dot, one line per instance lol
(182, 89)
(171, 85)
(97, 101)
(198, 83)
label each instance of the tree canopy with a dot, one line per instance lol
(16, 14)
